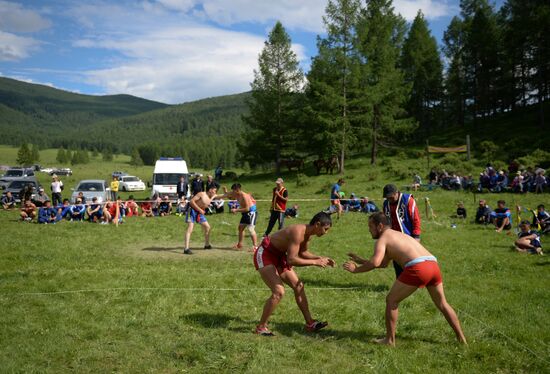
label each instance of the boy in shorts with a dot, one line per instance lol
(195, 214)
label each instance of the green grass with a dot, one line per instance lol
(147, 308)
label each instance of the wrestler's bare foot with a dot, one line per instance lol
(384, 341)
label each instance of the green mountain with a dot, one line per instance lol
(205, 131)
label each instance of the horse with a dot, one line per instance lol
(318, 165)
(293, 163)
(332, 163)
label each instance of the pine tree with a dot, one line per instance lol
(423, 69)
(385, 92)
(24, 155)
(61, 156)
(136, 158)
(272, 104)
(35, 153)
(455, 79)
(331, 81)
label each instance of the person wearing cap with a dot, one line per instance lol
(335, 197)
(40, 198)
(278, 206)
(56, 187)
(402, 211)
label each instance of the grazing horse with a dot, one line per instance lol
(329, 164)
(293, 163)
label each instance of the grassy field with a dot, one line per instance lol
(93, 298)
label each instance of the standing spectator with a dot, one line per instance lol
(197, 185)
(528, 240)
(28, 210)
(8, 201)
(46, 214)
(165, 207)
(335, 197)
(211, 183)
(483, 214)
(540, 182)
(40, 198)
(502, 217)
(114, 188)
(131, 207)
(401, 210)
(182, 188)
(278, 206)
(218, 173)
(56, 187)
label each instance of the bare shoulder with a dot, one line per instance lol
(296, 232)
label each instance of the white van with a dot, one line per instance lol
(166, 176)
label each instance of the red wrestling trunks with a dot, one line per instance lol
(422, 274)
(267, 254)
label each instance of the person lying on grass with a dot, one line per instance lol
(420, 269)
(276, 256)
(528, 240)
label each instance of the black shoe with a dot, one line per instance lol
(208, 246)
(187, 251)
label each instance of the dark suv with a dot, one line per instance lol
(17, 185)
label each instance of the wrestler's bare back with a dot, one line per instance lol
(400, 247)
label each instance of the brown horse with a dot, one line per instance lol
(293, 163)
(329, 164)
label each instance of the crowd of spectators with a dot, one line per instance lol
(490, 180)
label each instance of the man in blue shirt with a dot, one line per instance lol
(8, 201)
(335, 197)
(46, 214)
(77, 210)
(502, 217)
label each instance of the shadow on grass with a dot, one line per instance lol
(288, 329)
(329, 284)
(547, 263)
(164, 249)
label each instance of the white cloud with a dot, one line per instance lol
(15, 18)
(15, 48)
(431, 8)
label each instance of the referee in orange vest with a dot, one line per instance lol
(278, 206)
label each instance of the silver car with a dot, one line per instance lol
(91, 188)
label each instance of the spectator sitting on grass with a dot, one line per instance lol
(131, 207)
(528, 240)
(156, 200)
(82, 197)
(146, 209)
(217, 206)
(28, 211)
(502, 181)
(181, 207)
(292, 212)
(417, 182)
(95, 211)
(8, 201)
(455, 182)
(542, 219)
(354, 203)
(77, 210)
(517, 183)
(40, 198)
(483, 214)
(460, 210)
(165, 207)
(502, 217)
(368, 206)
(46, 214)
(64, 210)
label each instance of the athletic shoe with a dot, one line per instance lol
(315, 326)
(187, 251)
(264, 331)
(208, 246)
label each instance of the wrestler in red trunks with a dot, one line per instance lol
(274, 259)
(420, 270)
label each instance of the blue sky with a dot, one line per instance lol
(171, 51)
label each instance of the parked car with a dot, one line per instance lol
(130, 183)
(91, 188)
(15, 173)
(46, 170)
(118, 174)
(16, 185)
(62, 171)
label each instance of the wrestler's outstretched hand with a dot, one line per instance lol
(331, 262)
(324, 262)
(355, 257)
(350, 266)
